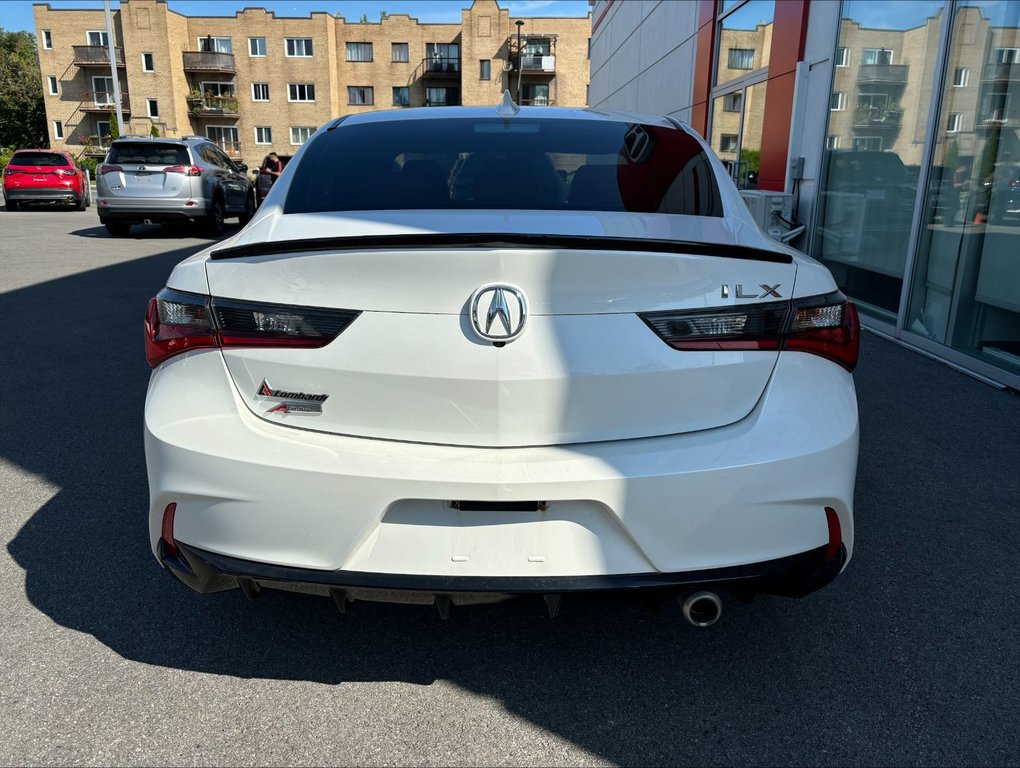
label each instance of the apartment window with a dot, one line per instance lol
(51, 81)
(300, 92)
(731, 101)
(868, 143)
(870, 56)
(97, 37)
(741, 58)
(362, 95)
(842, 57)
(300, 134)
(263, 134)
(58, 129)
(955, 122)
(995, 107)
(260, 91)
(218, 89)
(148, 63)
(152, 107)
(443, 57)
(401, 96)
(300, 47)
(1005, 55)
(961, 76)
(589, 48)
(257, 47)
(442, 97)
(832, 142)
(728, 142)
(399, 52)
(837, 101)
(47, 40)
(484, 69)
(359, 51)
(211, 44)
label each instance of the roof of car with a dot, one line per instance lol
(545, 113)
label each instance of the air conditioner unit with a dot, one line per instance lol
(766, 209)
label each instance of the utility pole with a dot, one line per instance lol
(113, 66)
(520, 58)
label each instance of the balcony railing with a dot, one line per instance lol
(104, 101)
(895, 74)
(878, 117)
(1001, 72)
(96, 56)
(208, 61)
(538, 101)
(213, 106)
(539, 63)
(441, 66)
(95, 145)
(449, 101)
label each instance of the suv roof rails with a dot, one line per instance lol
(200, 138)
(132, 136)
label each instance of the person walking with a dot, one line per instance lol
(269, 172)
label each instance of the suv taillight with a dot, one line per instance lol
(824, 325)
(12, 171)
(187, 170)
(108, 168)
(177, 322)
(65, 172)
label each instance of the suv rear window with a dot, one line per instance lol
(39, 158)
(149, 153)
(492, 163)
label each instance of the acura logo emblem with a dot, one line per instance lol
(498, 312)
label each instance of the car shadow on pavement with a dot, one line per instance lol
(890, 664)
(155, 232)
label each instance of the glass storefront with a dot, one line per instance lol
(957, 243)
(965, 290)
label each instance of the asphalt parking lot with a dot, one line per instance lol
(911, 657)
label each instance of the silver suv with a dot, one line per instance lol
(149, 180)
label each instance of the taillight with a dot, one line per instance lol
(65, 172)
(178, 322)
(825, 325)
(107, 168)
(12, 171)
(187, 170)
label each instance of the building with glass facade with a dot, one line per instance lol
(895, 125)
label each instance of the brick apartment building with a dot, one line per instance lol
(256, 83)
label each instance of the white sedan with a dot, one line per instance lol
(466, 353)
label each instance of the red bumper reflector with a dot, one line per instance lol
(835, 534)
(167, 532)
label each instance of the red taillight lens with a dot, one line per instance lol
(187, 170)
(166, 533)
(825, 325)
(835, 533)
(178, 322)
(12, 171)
(65, 172)
(106, 168)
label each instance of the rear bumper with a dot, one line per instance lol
(140, 209)
(327, 508)
(41, 194)
(793, 576)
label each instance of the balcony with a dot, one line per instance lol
(538, 101)
(95, 145)
(102, 101)
(96, 56)
(889, 74)
(878, 117)
(1001, 73)
(212, 106)
(208, 61)
(538, 64)
(449, 101)
(441, 67)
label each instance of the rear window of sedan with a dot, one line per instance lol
(505, 164)
(149, 153)
(48, 159)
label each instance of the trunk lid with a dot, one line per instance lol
(586, 368)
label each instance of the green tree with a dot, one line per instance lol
(363, 19)
(114, 125)
(154, 131)
(383, 15)
(22, 114)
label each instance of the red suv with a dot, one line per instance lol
(44, 175)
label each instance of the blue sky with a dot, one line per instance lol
(16, 15)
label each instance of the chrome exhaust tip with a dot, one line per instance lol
(702, 609)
